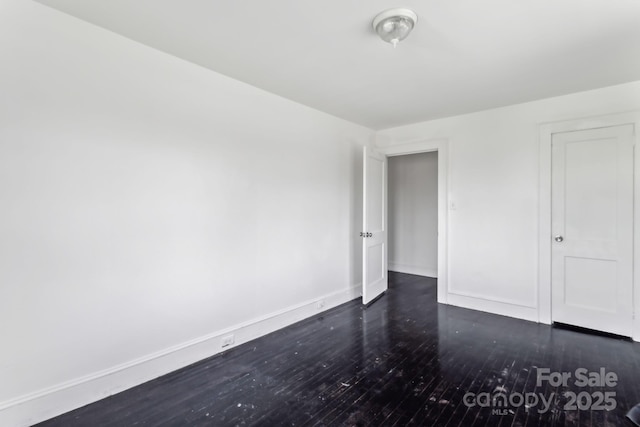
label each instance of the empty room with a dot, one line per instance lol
(336, 213)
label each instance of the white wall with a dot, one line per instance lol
(149, 205)
(493, 183)
(413, 214)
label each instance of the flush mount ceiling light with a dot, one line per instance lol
(394, 25)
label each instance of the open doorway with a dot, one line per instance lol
(441, 146)
(374, 234)
(413, 214)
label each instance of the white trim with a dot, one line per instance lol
(412, 269)
(414, 147)
(492, 299)
(442, 147)
(495, 307)
(50, 402)
(546, 131)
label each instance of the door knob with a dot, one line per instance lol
(558, 238)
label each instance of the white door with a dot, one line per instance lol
(592, 226)
(374, 235)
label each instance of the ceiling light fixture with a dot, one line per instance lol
(394, 25)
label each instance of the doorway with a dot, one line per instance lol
(413, 214)
(375, 190)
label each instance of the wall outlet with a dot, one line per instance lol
(228, 340)
(320, 304)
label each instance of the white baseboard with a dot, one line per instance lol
(495, 307)
(48, 403)
(411, 269)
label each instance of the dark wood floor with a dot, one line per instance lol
(405, 360)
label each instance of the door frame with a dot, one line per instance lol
(546, 131)
(441, 146)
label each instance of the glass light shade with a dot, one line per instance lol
(395, 29)
(394, 25)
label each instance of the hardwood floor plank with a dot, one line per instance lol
(404, 360)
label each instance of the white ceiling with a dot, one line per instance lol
(463, 56)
